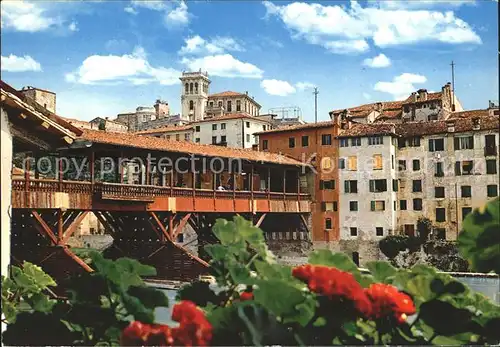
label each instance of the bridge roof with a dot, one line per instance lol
(158, 144)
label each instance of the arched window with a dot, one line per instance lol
(238, 105)
(191, 88)
(220, 103)
(196, 88)
(187, 88)
(229, 106)
(191, 105)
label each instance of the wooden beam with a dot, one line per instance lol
(72, 228)
(23, 135)
(68, 140)
(104, 222)
(180, 226)
(46, 125)
(160, 234)
(44, 227)
(3, 98)
(60, 225)
(261, 219)
(304, 222)
(22, 115)
(77, 259)
(192, 256)
(160, 225)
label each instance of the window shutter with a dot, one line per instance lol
(457, 168)
(372, 205)
(346, 186)
(323, 206)
(431, 146)
(395, 185)
(471, 142)
(372, 186)
(321, 184)
(335, 206)
(385, 185)
(456, 143)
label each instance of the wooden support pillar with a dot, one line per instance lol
(284, 183)
(120, 167)
(147, 179)
(92, 169)
(60, 173)
(298, 186)
(172, 181)
(27, 169)
(37, 174)
(268, 183)
(233, 180)
(171, 226)
(60, 225)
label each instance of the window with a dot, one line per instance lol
(328, 223)
(291, 142)
(341, 163)
(354, 231)
(187, 136)
(327, 184)
(394, 204)
(351, 186)
(214, 140)
(186, 91)
(168, 137)
(414, 142)
(466, 191)
(401, 143)
(223, 126)
(439, 192)
(305, 141)
(326, 139)
(238, 105)
(197, 140)
(191, 105)
(436, 145)
(329, 206)
(394, 185)
(439, 170)
(392, 161)
(463, 142)
(214, 126)
(177, 137)
(402, 165)
(223, 139)
(417, 204)
(416, 165)
(265, 144)
(344, 142)
(464, 167)
(229, 106)
(409, 229)
(197, 128)
(402, 205)
(466, 211)
(491, 167)
(417, 186)
(326, 163)
(440, 214)
(377, 162)
(378, 186)
(377, 205)
(352, 163)
(356, 141)
(490, 145)
(375, 140)
(211, 103)
(379, 231)
(492, 190)
(219, 103)
(440, 233)
(248, 124)
(196, 88)
(248, 137)
(353, 205)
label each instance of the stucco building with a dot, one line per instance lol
(43, 97)
(107, 124)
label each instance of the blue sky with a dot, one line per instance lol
(107, 57)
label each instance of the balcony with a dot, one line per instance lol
(490, 151)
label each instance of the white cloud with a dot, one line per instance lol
(401, 86)
(379, 61)
(155, 5)
(198, 45)
(131, 68)
(304, 85)
(130, 9)
(395, 4)
(342, 29)
(73, 26)
(277, 87)
(27, 16)
(13, 63)
(178, 16)
(223, 65)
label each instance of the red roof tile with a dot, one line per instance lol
(430, 96)
(157, 144)
(166, 129)
(298, 127)
(470, 114)
(364, 110)
(369, 129)
(230, 116)
(226, 93)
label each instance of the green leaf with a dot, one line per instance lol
(437, 286)
(149, 297)
(38, 276)
(420, 288)
(445, 318)
(198, 292)
(455, 288)
(338, 260)
(137, 309)
(41, 303)
(381, 271)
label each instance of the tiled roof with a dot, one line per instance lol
(166, 129)
(364, 110)
(231, 116)
(226, 93)
(430, 96)
(407, 129)
(108, 120)
(298, 127)
(157, 144)
(470, 114)
(390, 114)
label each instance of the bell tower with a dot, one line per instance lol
(194, 95)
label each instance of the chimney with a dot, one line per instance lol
(246, 92)
(422, 94)
(450, 125)
(414, 97)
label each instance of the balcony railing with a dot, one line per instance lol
(143, 192)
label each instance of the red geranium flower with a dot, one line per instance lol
(388, 301)
(334, 283)
(245, 296)
(140, 334)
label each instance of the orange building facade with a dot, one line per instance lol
(315, 144)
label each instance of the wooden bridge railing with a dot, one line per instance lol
(134, 190)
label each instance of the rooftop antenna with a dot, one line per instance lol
(453, 86)
(316, 92)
